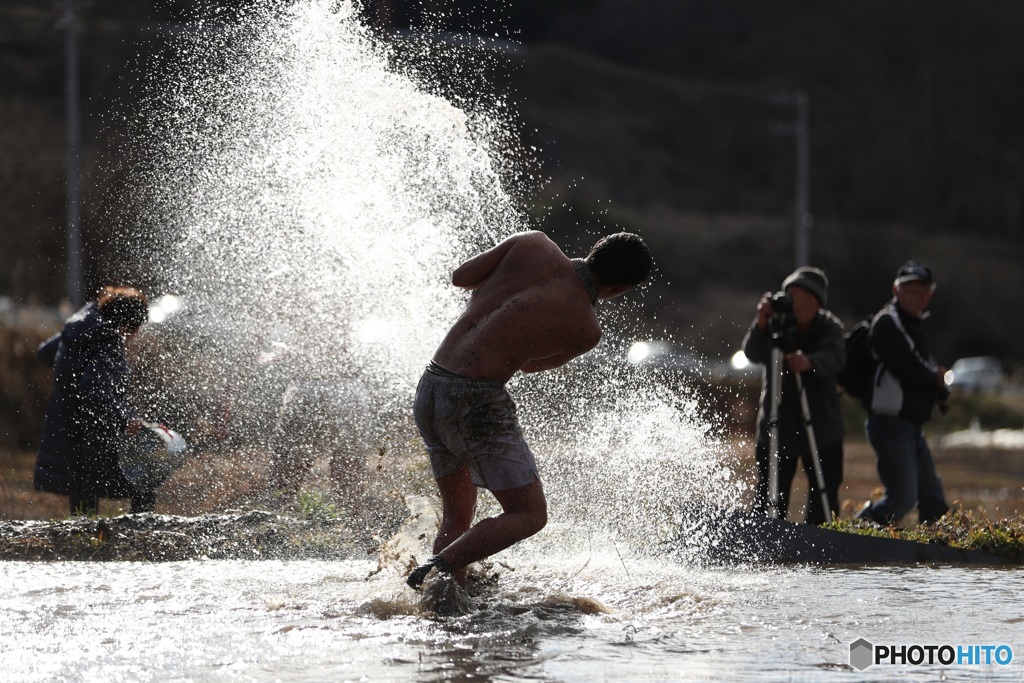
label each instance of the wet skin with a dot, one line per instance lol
(529, 311)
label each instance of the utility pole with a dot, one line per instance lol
(804, 219)
(800, 129)
(74, 234)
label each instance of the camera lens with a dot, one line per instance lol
(781, 303)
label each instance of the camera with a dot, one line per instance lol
(781, 303)
(782, 323)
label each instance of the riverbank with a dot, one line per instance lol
(983, 480)
(234, 516)
(987, 481)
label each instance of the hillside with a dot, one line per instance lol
(662, 117)
(654, 154)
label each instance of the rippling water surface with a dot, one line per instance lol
(315, 621)
(301, 189)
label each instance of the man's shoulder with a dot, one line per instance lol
(884, 316)
(535, 246)
(829, 319)
(534, 238)
(888, 327)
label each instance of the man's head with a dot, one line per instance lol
(913, 287)
(126, 308)
(811, 280)
(808, 288)
(620, 262)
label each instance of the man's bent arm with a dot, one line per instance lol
(830, 353)
(551, 362)
(757, 345)
(473, 272)
(559, 359)
(47, 351)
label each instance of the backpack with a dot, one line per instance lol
(859, 369)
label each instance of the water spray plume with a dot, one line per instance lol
(306, 190)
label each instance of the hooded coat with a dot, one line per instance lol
(88, 410)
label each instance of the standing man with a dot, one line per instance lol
(907, 383)
(532, 309)
(812, 339)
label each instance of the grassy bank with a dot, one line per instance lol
(960, 528)
(986, 489)
(987, 482)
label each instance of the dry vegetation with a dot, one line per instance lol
(986, 486)
(983, 481)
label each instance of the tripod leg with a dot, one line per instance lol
(819, 477)
(774, 504)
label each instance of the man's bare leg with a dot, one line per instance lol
(458, 505)
(524, 513)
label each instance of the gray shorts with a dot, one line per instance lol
(472, 423)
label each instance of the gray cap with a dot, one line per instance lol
(915, 270)
(811, 279)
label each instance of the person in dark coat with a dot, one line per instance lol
(88, 414)
(817, 353)
(908, 382)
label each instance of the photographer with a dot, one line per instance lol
(811, 339)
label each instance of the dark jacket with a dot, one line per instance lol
(906, 379)
(88, 409)
(823, 344)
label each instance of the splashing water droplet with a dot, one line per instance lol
(306, 191)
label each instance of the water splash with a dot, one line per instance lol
(307, 191)
(304, 187)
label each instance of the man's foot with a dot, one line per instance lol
(417, 575)
(931, 520)
(442, 595)
(867, 514)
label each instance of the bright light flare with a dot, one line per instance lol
(638, 352)
(374, 331)
(739, 361)
(163, 307)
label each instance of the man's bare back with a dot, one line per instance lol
(529, 311)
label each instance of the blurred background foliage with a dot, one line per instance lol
(667, 117)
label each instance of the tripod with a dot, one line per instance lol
(774, 504)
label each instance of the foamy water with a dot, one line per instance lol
(315, 621)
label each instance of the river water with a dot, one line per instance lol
(664, 621)
(304, 191)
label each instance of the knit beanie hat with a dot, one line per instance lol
(811, 279)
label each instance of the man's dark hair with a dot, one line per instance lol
(620, 259)
(123, 307)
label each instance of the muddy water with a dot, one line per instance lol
(543, 620)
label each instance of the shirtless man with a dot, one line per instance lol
(532, 309)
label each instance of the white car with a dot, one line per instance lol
(976, 374)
